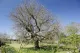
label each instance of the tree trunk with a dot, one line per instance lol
(36, 44)
(0, 43)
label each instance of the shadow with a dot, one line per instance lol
(48, 48)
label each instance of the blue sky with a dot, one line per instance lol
(66, 11)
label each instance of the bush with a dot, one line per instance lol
(8, 49)
(2, 43)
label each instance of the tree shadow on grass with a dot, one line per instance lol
(47, 48)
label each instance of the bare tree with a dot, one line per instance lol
(3, 38)
(32, 21)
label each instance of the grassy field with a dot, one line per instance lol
(17, 45)
(29, 48)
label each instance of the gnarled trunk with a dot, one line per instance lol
(36, 42)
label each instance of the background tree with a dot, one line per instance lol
(72, 37)
(32, 21)
(72, 28)
(3, 38)
(54, 33)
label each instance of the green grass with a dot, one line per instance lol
(29, 48)
(17, 45)
(32, 50)
(8, 49)
(48, 49)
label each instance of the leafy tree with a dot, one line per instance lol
(72, 37)
(72, 28)
(73, 40)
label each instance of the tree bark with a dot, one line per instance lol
(0, 43)
(36, 42)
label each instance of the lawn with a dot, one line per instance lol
(29, 48)
(17, 45)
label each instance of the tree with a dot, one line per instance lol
(73, 36)
(73, 40)
(72, 28)
(32, 21)
(54, 32)
(3, 39)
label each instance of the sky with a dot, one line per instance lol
(66, 11)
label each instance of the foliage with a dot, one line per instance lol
(72, 28)
(71, 39)
(8, 49)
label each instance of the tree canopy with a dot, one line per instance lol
(33, 21)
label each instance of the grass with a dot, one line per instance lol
(8, 49)
(29, 48)
(17, 45)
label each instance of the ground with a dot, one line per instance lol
(28, 48)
